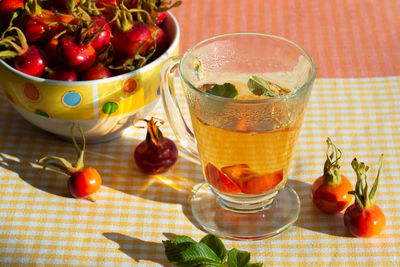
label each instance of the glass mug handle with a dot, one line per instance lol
(175, 118)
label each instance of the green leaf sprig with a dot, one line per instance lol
(210, 252)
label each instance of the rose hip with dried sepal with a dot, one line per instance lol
(83, 181)
(330, 191)
(29, 59)
(157, 153)
(364, 218)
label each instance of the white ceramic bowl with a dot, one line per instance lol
(103, 108)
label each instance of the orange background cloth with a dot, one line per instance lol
(347, 38)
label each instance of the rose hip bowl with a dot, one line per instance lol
(103, 107)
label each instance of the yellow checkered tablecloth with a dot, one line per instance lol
(41, 225)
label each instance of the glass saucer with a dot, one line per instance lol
(266, 223)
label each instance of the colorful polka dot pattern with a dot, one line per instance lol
(42, 113)
(114, 98)
(110, 107)
(129, 86)
(71, 99)
(31, 92)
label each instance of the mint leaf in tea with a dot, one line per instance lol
(249, 86)
(260, 86)
(257, 87)
(227, 90)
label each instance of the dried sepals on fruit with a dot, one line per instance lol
(364, 218)
(330, 191)
(83, 181)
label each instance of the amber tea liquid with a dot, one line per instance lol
(244, 152)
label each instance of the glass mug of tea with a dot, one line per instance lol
(247, 95)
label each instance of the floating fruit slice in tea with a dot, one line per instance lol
(251, 182)
(262, 183)
(238, 172)
(220, 181)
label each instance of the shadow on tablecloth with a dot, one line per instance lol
(312, 218)
(119, 172)
(140, 250)
(19, 154)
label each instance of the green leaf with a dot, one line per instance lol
(184, 251)
(238, 258)
(179, 239)
(227, 90)
(259, 86)
(209, 252)
(216, 245)
(173, 251)
(198, 254)
(174, 248)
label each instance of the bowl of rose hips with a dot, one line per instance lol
(95, 63)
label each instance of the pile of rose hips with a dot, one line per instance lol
(333, 192)
(74, 40)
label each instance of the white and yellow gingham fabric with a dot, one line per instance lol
(41, 225)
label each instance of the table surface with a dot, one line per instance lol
(355, 101)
